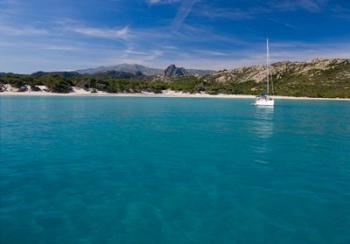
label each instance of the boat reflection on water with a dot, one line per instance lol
(262, 129)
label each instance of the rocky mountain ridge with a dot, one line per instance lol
(318, 78)
(138, 70)
(173, 71)
(284, 69)
(135, 69)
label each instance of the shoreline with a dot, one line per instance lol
(170, 94)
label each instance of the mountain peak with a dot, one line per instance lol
(173, 71)
(137, 69)
(127, 68)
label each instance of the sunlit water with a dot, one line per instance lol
(168, 170)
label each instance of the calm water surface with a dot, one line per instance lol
(172, 170)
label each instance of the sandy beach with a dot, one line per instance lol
(167, 93)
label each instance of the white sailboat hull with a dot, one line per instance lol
(264, 101)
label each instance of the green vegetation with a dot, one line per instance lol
(331, 82)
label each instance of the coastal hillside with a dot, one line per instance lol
(317, 78)
(317, 68)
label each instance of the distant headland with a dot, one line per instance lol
(319, 78)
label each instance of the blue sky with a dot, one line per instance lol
(54, 35)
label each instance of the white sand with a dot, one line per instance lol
(168, 93)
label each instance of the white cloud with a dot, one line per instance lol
(292, 5)
(184, 10)
(8, 2)
(157, 46)
(58, 47)
(229, 13)
(267, 8)
(112, 33)
(251, 55)
(12, 30)
(123, 32)
(52, 56)
(157, 2)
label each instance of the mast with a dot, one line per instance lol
(267, 67)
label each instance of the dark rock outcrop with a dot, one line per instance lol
(35, 88)
(173, 71)
(2, 87)
(62, 87)
(23, 89)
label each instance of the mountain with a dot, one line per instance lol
(315, 70)
(200, 72)
(119, 75)
(64, 74)
(135, 69)
(172, 71)
(317, 78)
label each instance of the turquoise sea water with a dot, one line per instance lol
(171, 170)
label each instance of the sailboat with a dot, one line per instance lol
(265, 99)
